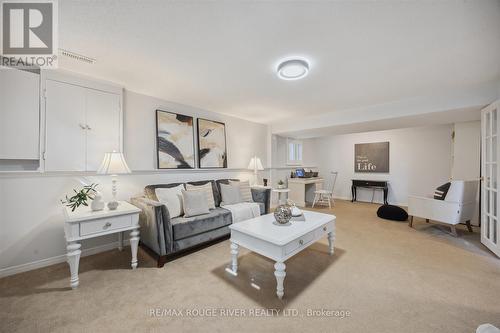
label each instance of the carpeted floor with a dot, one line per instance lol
(384, 277)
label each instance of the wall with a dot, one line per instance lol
(466, 155)
(31, 219)
(466, 150)
(420, 160)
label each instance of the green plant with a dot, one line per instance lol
(81, 197)
(280, 182)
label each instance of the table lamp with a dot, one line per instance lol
(255, 165)
(113, 164)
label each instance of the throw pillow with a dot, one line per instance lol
(246, 193)
(195, 203)
(230, 194)
(172, 198)
(441, 191)
(207, 189)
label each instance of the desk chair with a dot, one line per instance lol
(325, 196)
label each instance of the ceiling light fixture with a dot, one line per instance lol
(293, 69)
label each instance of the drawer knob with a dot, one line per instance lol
(301, 242)
(107, 225)
(324, 228)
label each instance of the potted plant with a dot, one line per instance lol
(81, 197)
(281, 184)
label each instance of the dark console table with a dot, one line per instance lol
(373, 184)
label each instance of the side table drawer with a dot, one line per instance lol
(103, 225)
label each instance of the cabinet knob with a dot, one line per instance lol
(88, 127)
(107, 225)
(82, 126)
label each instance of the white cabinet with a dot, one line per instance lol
(19, 115)
(82, 124)
(65, 129)
(103, 119)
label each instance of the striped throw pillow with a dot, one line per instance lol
(246, 193)
(207, 189)
(441, 191)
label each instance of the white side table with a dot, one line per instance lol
(84, 223)
(281, 191)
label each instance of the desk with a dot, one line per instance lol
(301, 188)
(373, 184)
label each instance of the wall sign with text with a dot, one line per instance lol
(371, 157)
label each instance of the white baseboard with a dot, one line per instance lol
(57, 259)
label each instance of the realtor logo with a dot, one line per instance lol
(29, 33)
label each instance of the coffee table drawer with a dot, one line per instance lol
(299, 243)
(320, 232)
(102, 225)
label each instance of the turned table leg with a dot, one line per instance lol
(234, 258)
(73, 259)
(280, 274)
(134, 244)
(120, 241)
(331, 239)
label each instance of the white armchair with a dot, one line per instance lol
(457, 207)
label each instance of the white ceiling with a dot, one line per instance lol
(220, 55)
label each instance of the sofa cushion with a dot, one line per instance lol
(206, 185)
(230, 194)
(195, 203)
(246, 193)
(172, 198)
(189, 226)
(150, 190)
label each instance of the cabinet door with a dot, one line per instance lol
(65, 129)
(19, 115)
(103, 121)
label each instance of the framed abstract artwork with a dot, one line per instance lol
(371, 157)
(212, 151)
(174, 140)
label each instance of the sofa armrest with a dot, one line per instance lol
(433, 209)
(156, 229)
(262, 195)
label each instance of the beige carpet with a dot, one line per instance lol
(389, 277)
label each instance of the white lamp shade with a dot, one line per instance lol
(113, 164)
(255, 164)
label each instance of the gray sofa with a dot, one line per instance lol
(166, 238)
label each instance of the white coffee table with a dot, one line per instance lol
(279, 242)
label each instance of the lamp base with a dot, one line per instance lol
(112, 205)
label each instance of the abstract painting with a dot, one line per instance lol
(211, 144)
(174, 140)
(371, 157)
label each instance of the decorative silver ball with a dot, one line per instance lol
(283, 214)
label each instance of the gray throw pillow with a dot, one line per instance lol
(231, 194)
(195, 203)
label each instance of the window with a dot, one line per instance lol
(294, 152)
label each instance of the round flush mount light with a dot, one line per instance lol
(293, 69)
